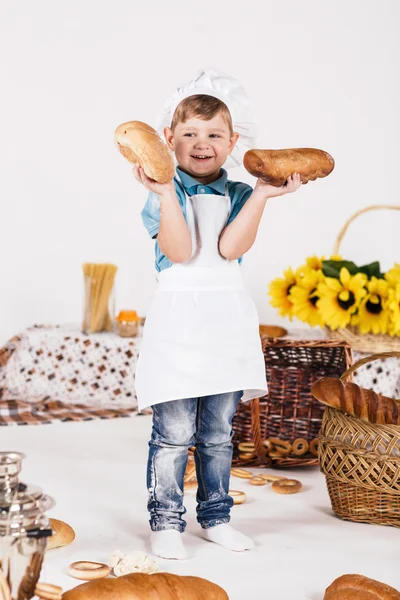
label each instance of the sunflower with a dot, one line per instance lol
(393, 276)
(304, 297)
(340, 298)
(394, 308)
(313, 263)
(279, 290)
(373, 314)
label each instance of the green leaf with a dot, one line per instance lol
(372, 270)
(331, 268)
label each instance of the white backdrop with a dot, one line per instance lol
(321, 74)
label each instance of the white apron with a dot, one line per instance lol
(201, 334)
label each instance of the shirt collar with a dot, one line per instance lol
(218, 185)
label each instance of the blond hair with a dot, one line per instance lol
(203, 106)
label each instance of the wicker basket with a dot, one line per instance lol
(289, 411)
(364, 342)
(361, 463)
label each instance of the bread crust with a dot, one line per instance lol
(359, 587)
(140, 143)
(275, 166)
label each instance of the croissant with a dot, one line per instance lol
(141, 586)
(357, 401)
(275, 166)
(358, 587)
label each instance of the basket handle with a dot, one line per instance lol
(368, 359)
(357, 214)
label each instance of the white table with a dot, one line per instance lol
(96, 472)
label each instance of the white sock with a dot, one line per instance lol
(168, 544)
(227, 537)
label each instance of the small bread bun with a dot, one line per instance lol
(140, 143)
(63, 534)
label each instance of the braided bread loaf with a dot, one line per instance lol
(275, 166)
(357, 401)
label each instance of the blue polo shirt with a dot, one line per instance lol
(239, 193)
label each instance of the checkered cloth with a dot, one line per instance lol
(18, 409)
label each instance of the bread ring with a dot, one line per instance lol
(238, 497)
(247, 455)
(258, 480)
(190, 472)
(269, 477)
(300, 446)
(267, 445)
(140, 143)
(87, 570)
(246, 447)
(276, 454)
(48, 591)
(281, 445)
(272, 331)
(242, 473)
(286, 486)
(191, 484)
(314, 445)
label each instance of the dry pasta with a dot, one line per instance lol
(99, 282)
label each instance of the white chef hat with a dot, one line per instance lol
(214, 83)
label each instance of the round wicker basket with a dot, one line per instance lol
(363, 342)
(361, 463)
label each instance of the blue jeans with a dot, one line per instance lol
(205, 423)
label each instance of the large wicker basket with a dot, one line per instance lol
(361, 463)
(367, 342)
(289, 411)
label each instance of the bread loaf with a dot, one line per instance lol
(140, 143)
(63, 534)
(141, 586)
(275, 166)
(357, 401)
(358, 587)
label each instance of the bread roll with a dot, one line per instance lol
(358, 587)
(357, 401)
(63, 534)
(141, 586)
(140, 143)
(275, 166)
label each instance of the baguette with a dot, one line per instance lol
(275, 166)
(140, 143)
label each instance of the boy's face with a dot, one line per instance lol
(201, 147)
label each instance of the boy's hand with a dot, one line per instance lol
(270, 191)
(158, 188)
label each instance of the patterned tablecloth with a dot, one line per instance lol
(53, 372)
(58, 373)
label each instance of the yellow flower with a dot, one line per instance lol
(304, 297)
(394, 308)
(393, 276)
(279, 290)
(340, 298)
(313, 263)
(373, 315)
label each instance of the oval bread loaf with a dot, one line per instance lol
(140, 143)
(275, 166)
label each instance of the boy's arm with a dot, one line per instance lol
(173, 234)
(239, 236)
